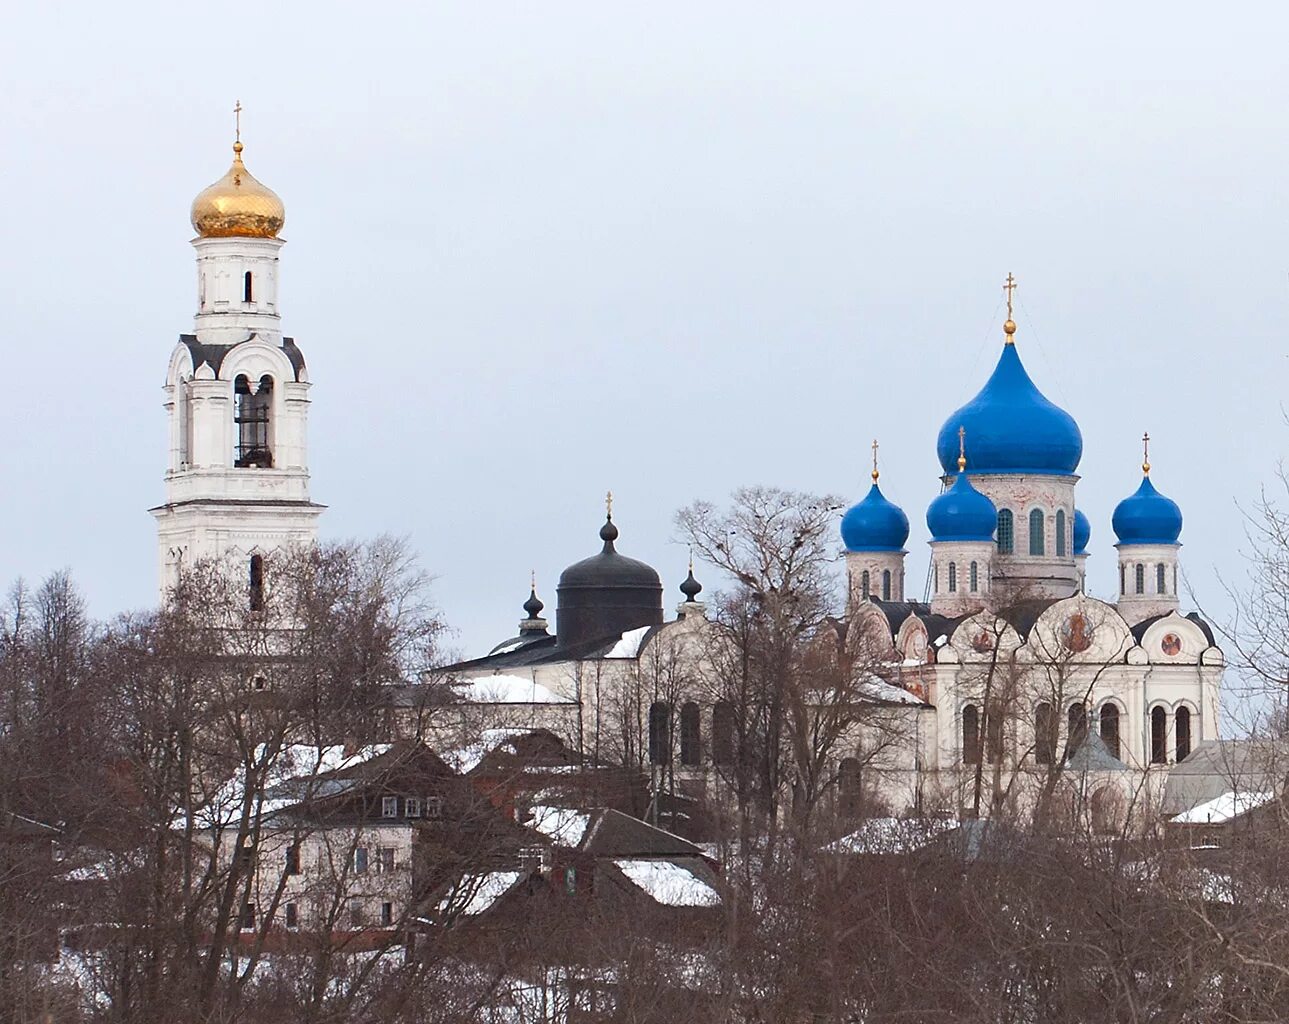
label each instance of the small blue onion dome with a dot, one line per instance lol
(1147, 517)
(962, 513)
(1013, 427)
(1082, 532)
(874, 524)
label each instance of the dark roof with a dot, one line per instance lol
(1204, 626)
(544, 651)
(611, 833)
(1139, 630)
(214, 354)
(897, 611)
(1022, 615)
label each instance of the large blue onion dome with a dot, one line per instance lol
(1147, 517)
(962, 513)
(1082, 532)
(1013, 427)
(874, 524)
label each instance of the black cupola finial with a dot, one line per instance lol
(533, 606)
(691, 588)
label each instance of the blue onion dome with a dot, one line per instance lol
(1082, 532)
(962, 513)
(1013, 427)
(874, 524)
(1147, 517)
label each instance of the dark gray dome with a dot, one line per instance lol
(605, 594)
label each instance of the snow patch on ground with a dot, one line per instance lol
(669, 884)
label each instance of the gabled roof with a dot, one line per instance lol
(604, 832)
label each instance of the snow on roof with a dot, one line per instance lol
(669, 883)
(628, 646)
(504, 689)
(479, 892)
(874, 688)
(467, 757)
(566, 827)
(1223, 808)
(891, 835)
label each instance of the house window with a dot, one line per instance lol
(1158, 736)
(247, 921)
(863, 584)
(389, 807)
(886, 584)
(386, 914)
(659, 733)
(973, 577)
(1006, 532)
(723, 732)
(384, 860)
(256, 587)
(970, 735)
(953, 577)
(248, 290)
(411, 807)
(293, 859)
(434, 806)
(251, 422)
(1110, 728)
(357, 918)
(1140, 578)
(1037, 525)
(1045, 732)
(1060, 533)
(690, 739)
(360, 860)
(246, 854)
(292, 916)
(1077, 722)
(1182, 725)
(1160, 588)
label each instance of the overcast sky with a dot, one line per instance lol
(540, 251)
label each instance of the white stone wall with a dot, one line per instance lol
(1038, 576)
(1152, 600)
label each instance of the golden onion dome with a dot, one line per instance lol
(238, 206)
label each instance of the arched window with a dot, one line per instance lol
(994, 734)
(935, 579)
(863, 583)
(248, 292)
(886, 584)
(973, 577)
(1110, 728)
(1060, 533)
(849, 786)
(1006, 532)
(659, 732)
(1123, 585)
(251, 421)
(1159, 579)
(1077, 728)
(723, 733)
(1140, 578)
(691, 742)
(1182, 725)
(970, 734)
(1158, 736)
(1036, 527)
(257, 583)
(953, 577)
(1045, 733)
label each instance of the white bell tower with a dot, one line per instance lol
(237, 397)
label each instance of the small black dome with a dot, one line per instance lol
(533, 606)
(605, 594)
(691, 588)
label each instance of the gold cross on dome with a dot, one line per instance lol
(1009, 287)
(608, 505)
(1145, 453)
(962, 449)
(875, 474)
(237, 120)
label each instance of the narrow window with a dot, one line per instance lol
(1006, 532)
(1036, 526)
(1123, 586)
(935, 579)
(356, 916)
(1140, 579)
(1182, 724)
(1077, 721)
(293, 859)
(690, 737)
(973, 577)
(257, 583)
(1045, 730)
(248, 293)
(251, 422)
(1060, 533)
(412, 807)
(434, 806)
(1158, 736)
(723, 732)
(246, 854)
(389, 807)
(659, 733)
(248, 917)
(360, 860)
(848, 786)
(994, 734)
(384, 860)
(863, 584)
(386, 914)
(1110, 728)
(1174, 579)
(1160, 579)
(970, 735)
(953, 577)
(292, 916)
(886, 584)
